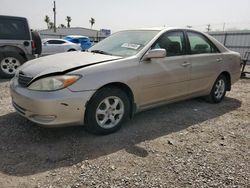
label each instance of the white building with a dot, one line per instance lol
(94, 35)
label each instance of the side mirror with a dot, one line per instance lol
(155, 53)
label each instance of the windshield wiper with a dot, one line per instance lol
(100, 52)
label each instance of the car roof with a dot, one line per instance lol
(76, 36)
(12, 17)
(162, 29)
(46, 39)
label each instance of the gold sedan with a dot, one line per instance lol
(128, 72)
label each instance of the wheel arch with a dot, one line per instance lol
(71, 50)
(228, 77)
(13, 49)
(126, 89)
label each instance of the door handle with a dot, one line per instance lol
(219, 59)
(185, 64)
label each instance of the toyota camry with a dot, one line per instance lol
(126, 73)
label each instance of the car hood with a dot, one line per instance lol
(63, 62)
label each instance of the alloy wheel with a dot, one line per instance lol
(219, 89)
(9, 65)
(110, 112)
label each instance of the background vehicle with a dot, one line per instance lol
(17, 44)
(83, 41)
(128, 72)
(52, 46)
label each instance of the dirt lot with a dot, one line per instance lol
(186, 144)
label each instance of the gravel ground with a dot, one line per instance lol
(186, 144)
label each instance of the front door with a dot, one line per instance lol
(165, 78)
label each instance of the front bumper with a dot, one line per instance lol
(51, 109)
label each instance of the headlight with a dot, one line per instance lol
(53, 83)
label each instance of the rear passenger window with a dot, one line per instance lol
(56, 42)
(172, 42)
(199, 44)
(14, 29)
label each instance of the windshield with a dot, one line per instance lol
(124, 43)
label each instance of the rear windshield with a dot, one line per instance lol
(14, 29)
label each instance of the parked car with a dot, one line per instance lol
(128, 72)
(52, 46)
(83, 41)
(18, 44)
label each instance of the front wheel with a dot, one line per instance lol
(218, 91)
(106, 111)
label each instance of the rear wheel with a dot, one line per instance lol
(9, 62)
(218, 91)
(106, 111)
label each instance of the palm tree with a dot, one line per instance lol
(51, 25)
(62, 26)
(47, 20)
(92, 22)
(68, 19)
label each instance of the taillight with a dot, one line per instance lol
(33, 44)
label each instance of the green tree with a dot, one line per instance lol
(68, 19)
(51, 25)
(92, 22)
(47, 20)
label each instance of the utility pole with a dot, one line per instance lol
(54, 11)
(208, 27)
(224, 25)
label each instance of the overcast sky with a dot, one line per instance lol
(125, 14)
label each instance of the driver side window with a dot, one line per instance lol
(172, 42)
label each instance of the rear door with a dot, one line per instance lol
(60, 46)
(165, 78)
(205, 59)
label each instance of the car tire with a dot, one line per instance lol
(9, 62)
(218, 91)
(106, 111)
(38, 42)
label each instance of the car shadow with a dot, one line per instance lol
(27, 149)
(2, 80)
